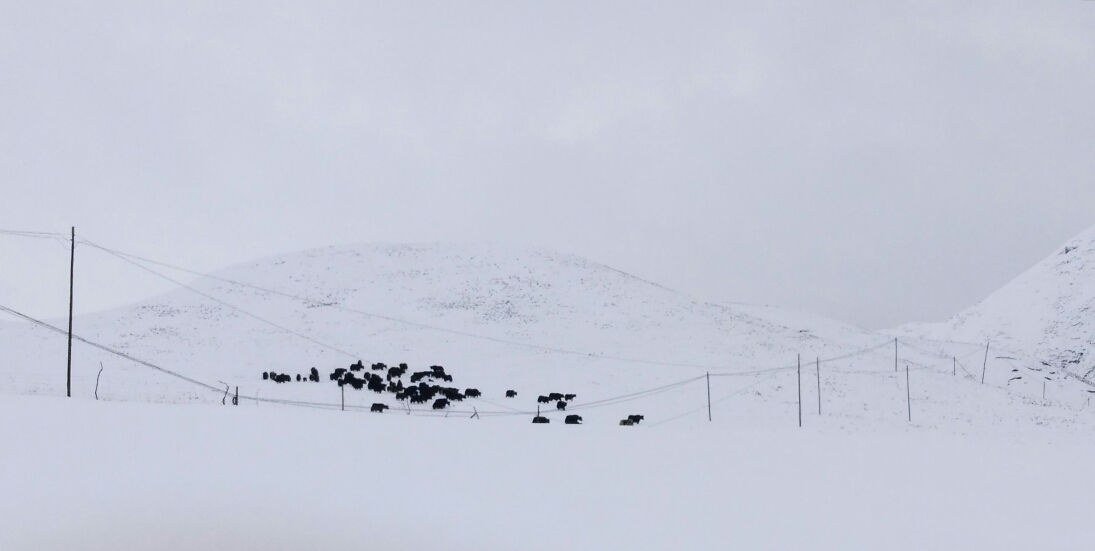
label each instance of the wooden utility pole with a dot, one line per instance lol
(800, 390)
(986, 365)
(819, 386)
(71, 287)
(908, 393)
(709, 396)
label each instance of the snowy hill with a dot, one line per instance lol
(502, 317)
(1042, 318)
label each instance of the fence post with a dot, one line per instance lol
(343, 387)
(101, 374)
(800, 390)
(986, 365)
(895, 355)
(954, 366)
(708, 396)
(819, 386)
(236, 398)
(908, 393)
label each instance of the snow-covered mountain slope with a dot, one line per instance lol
(1044, 318)
(502, 317)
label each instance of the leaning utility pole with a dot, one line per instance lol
(71, 280)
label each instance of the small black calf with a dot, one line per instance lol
(561, 406)
(265, 375)
(570, 397)
(379, 408)
(511, 394)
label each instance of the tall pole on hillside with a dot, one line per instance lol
(954, 366)
(986, 364)
(895, 355)
(71, 287)
(819, 386)
(709, 396)
(800, 390)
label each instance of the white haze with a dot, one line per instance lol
(878, 163)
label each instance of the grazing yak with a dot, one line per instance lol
(379, 408)
(441, 403)
(626, 423)
(357, 366)
(561, 406)
(538, 420)
(511, 394)
(543, 400)
(635, 418)
(265, 375)
(298, 377)
(313, 375)
(396, 372)
(283, 378)
(573, 420)
(338, 373)
(472, 393)
(554, 396)
(570, 397)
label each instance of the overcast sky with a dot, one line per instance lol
(875, 162)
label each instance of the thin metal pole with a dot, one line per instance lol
(954, 366)
(71, 287)
(709, 396)
(819, 386)
(986, 365)
(908, 393)
(343, 397)
(895, 355)
(800, 390)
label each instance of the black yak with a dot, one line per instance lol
(543, 400)
(357, 366)
(570, 397)
(573, 420)
(538, 420)
(554, 396)
(472, 393)
(314, 375)
(561, 406)
(265, 375)
(379, 408)
(283, 378)
(511, 394)
(635, 418)
(626, 423)
(441, 403)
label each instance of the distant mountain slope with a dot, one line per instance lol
(1046, 313)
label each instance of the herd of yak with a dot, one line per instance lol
(422, 388)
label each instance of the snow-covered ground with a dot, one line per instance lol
(158, 463)
(79, 474)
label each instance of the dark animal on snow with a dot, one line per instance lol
(441, 403)
(379, 367)
(283, 378)
(396, 372)
(437, 369)
(573, 420)
(626, 423)
(447, 378)
(452, 394)
(265, 375)
(543, 400)
(419, 399)
(538, 420)
(404, 366)
(314, 375)
(298, 377)
(401, 396)
(419, 375)
(554, 396)
(472, 393)
(635, 418)
(511, 394)
(357, 366)
(379, 408)
(338, 373)
(570, 397)
(377, 387)
(561, 406)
